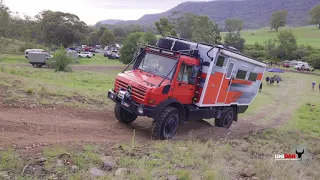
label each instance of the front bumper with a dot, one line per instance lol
(131, 105)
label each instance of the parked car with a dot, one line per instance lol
(286, 65)
(85, 55)
(111, 54)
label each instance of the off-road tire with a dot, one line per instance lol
(88, 57)
(226, 119)
(123, 115)
(168, 118)
(35, 65)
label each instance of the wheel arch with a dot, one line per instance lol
(170, 102)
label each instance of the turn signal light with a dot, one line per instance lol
(151, 101)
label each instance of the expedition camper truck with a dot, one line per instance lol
(180, 81)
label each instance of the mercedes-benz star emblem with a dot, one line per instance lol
(129, 89)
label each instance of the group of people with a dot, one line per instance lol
(313, 85)
(271, 80)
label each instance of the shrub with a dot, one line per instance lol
(255, 53)
(31, 46)
(60, 61)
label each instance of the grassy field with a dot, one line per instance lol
(98, 59)
(250, 157)
(10, 46)
(308, 35)
(44, 86)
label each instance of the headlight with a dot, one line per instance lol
(140, 110)
(111, 96)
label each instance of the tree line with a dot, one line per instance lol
(54, 28)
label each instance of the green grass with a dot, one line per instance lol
(46, 86)
(308, 35)
(10, 46)
(252, 155)
(98, 59)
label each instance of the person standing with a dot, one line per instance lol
(267, 79)
(261, 87)
(278, 80)
(313, 84)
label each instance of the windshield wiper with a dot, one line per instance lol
(168, 73)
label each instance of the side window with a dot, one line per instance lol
(241, 74)
(185, 73)
(253, 77)
(229, 71)
(220, 61)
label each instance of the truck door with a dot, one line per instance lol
(184, 88)
(225, 86)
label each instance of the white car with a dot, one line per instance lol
(85, 55)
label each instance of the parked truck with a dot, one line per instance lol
(38, 59)
(179, 80)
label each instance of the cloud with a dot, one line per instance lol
(92, 11)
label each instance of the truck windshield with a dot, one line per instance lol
(157, 65)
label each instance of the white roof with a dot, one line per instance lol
(243, 58)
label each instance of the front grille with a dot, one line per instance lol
(138, 93)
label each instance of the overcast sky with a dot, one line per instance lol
(92, 11)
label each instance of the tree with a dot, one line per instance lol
(119, 32)
(234, 40)
(315, 15)
(149, 38)
(61, 61)
(94, 38)
(233, 25)
(4, 19)
(183, 23)
(130, 46)
(61, 28)
(233, 37)
(313, 60)
(287, 44)
(271, 48)
(278, 19)
(107, 38)
(165, 27)
(205, 30)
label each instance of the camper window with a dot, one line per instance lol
(241, 74)
(253, 77)
(220, 61)
(229, 72)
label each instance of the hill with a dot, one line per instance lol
(110, 21)
(307, 35)
(255, 13)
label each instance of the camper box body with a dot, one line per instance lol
(38, 57)
(227, 77)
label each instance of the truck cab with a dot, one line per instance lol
(172, 83)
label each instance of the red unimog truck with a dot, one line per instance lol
(181, 81)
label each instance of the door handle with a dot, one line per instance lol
(182, 84)
(191, 89)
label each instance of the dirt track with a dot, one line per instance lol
(25, 127)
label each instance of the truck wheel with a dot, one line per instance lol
(35, 65)
(226, 118)
(123, 115)
(166, 125)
